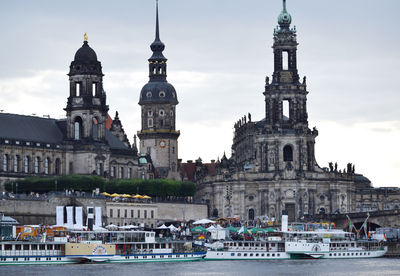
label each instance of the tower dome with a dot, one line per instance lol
(284, 18)
(85, 61)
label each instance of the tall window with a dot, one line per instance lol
(46, 165)
(285, 60)
(286, 110)
(145, 214)
(36, 165)
(5, 162)
(78, 89)
(99, 168)
(150, 122)
(111, 213)
(58, 166)
(94, 89)
(16, 159)
(251, 214)
(138, 213)
(287, 153)
(121, 172)
(26, 164)
(78, 128)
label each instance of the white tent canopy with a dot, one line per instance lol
(203, 221)
(173, 228)
(112, 226)
(211, 228)
(162, 227)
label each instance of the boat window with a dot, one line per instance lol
(17, 247)
(245, 254)
(330, 254)
(268, 255)
(26, 246)
(262, 255)
(240, 244)
(232, 254)
(239, 254)
(251, 254)
(246, 244)
(256, 254)
(8, 247)
(273, 255)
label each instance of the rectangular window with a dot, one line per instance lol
(138, 213)
(152, 213)
(118, 213)
(145, 214)
(129, 173)
(78, 89)
(285, 60)
(286, 110)
(126, 213)
(131, 213)
(111, 213)
(94, 88)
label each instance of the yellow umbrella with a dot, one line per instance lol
(146, 197)
(137, 196)
(105, 194)
(126, 196)
(115, 195)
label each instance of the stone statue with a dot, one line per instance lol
(331, 166)
(249, 117)
(335, 166)
(304, 80)
(267, 80)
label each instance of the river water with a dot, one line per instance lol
(379, 266)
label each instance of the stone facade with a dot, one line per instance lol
(273, 166)
(79, 144)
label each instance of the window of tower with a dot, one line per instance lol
(159, 70)
(251, 214)
(161, 123)
(287, 153)
(162, 94)
(285, 60)
(94, 88)
(150, 122)
(171, 113)
(78, 128)
(149, 94)
(286, 110)
(150, 113)
(95, 129)
(161, 112)
(78, 89)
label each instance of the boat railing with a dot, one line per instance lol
(13, 253)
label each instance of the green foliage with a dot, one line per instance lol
(151, 187)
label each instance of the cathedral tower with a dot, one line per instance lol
(86, 107)
(158, 100)
(286, 106)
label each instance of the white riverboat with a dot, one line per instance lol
(322, 244)
(99, 246)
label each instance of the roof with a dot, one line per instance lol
(42, 130)
(30, 128)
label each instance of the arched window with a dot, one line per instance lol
(26, 164)
(251, 214)
(5, 162)
(78, 128)
(129, 173)
(121, 172)
(215, 213)
(150, 122)
(287, 153)
(16, 161)
(46, 165)
(95, 129)
(58, 166)
(36, 165)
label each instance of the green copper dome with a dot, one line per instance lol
(284, 18)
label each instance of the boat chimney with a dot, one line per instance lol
(284, 221)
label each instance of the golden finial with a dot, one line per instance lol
(85, 37)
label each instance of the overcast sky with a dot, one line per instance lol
(219, 52)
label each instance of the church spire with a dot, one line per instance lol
(157, 62)
(284, 18)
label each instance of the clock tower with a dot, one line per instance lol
(158, 99)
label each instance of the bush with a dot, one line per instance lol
(151, 187)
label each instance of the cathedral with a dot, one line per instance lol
(273, 166)
(88, 141)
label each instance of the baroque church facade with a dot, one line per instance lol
(273, 166)
(88, 141)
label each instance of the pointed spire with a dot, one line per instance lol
(284, 5)
(157, 25)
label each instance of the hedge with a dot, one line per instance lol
(151, 187)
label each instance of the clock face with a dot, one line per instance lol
(162, 143)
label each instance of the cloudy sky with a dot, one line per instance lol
(219, 53)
